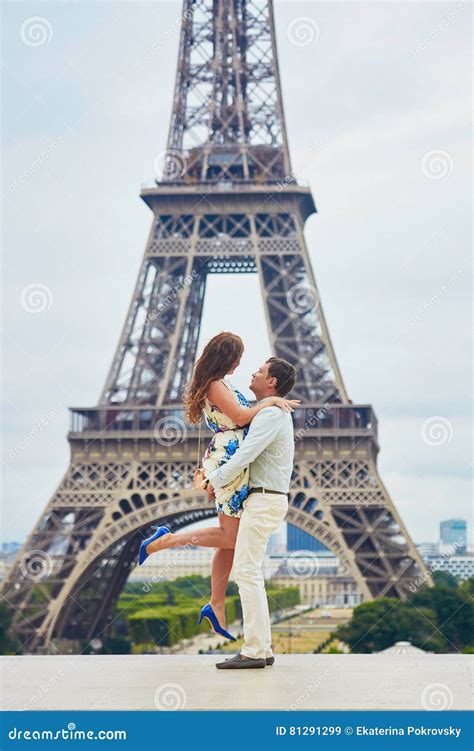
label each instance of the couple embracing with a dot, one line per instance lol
(246, 469)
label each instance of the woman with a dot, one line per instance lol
(228, 414)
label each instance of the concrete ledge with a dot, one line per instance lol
(306, 682)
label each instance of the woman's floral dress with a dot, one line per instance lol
(224, 443)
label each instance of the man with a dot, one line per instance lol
(269, 450)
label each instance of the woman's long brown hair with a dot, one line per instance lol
(218, 357)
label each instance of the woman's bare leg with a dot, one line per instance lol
(220, 572)
(221, 568)
(222, 536)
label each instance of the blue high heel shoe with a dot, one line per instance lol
(143, 555)
(207, 612)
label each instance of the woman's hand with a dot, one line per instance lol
(288, 405)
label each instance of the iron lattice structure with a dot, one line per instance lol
(227, 203)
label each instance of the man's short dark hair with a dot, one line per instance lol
(284, 372)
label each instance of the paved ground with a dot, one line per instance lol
(151, 682)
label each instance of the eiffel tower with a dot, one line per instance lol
(227, 202)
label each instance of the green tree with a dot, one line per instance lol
(8, 644)
(379, 624)
(454, 608)
(116, 645)
(467, 586)
(443, 577)
(170, 598)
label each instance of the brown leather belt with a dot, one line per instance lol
(265, 490)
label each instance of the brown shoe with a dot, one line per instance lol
(240, 663)
(269, 660)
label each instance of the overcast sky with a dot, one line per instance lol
(377, 105)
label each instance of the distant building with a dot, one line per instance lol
(427, 548)
(453, 534)
(460, 566)
(275, 545)
(321, 581)
(301, 568)
(171, 564)
(10, 548)
(403, 648)
(8, 552)
(4, 566)
(297, 539)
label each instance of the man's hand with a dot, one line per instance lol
(210, 492)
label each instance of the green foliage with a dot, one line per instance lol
(9, 645)
(169, 611)
(436, 619)
(443, 577)
(170, 596)
(116, 645)
(379, 624)
(280, 598)
(454, 609)
(467, 586)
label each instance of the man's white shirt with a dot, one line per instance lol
(268, 448)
